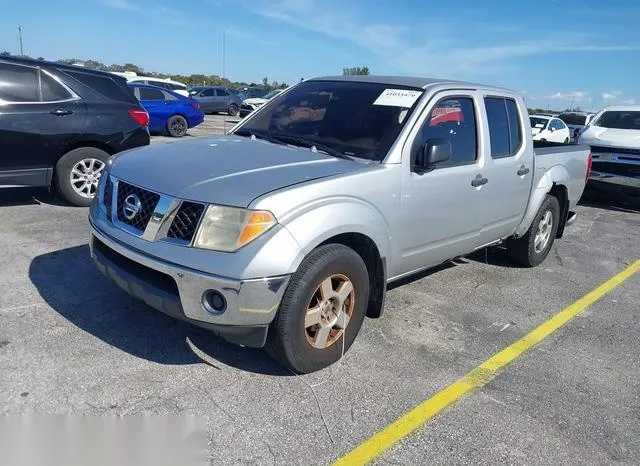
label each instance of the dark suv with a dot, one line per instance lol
(60, 124)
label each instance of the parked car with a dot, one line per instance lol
(545, 128)
(614, 137)
(287, 233)
(213, 99)
(168, 84)
(252, 92)
(576, 121)
(60, 124)
(169, 112)
(249, 105)
(237, 92)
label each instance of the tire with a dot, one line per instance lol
(177, 126)
(566, 140)
(77, 174)
(533, 247)
(298, 343)
(233, 110)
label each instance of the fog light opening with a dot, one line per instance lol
(214, 302)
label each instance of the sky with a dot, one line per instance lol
(552, 51)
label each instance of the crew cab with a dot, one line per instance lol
(614, 137)
(285, 232)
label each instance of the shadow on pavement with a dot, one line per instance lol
(70, 283)
(610, 197)
(29, 196)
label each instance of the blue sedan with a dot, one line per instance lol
(169, 113)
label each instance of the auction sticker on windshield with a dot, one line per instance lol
(398, 98)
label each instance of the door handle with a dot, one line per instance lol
(61, 112)
(479, 181)
(523, 170)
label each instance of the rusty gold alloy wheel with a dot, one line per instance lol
(329, 311)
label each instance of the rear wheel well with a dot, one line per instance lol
(560, 192)
(376, 267)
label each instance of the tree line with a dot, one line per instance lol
(189, 80)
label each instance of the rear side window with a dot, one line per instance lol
(103, 85)
(150, 94)
(454, 119)
(18, 83)
(52, 90)
(504, 127)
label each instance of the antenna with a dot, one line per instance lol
(21, 46)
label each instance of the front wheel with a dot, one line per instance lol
(322, 310)
(233, 110)
(78, 172)
(566, 140)
(533, 247)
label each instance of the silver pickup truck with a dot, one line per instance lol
(285, 232)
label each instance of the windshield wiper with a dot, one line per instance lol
(311, 144)
(258, 135)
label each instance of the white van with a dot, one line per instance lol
(174, 86)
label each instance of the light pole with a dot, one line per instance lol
(21, 46)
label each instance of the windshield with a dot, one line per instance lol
(573, 119)
(619, 119)
(538, 122)
(352, 118)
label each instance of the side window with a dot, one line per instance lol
(52, 90)
(18, 83)
(222, 92)
(515, 129)
(208, 93)
(454, 119)
(168, 96)
(504, 126)
(103, 85)
(498, 126)
(560, 124)
(146, 93)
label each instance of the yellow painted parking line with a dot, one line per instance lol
(478, 377)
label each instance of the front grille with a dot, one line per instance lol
(246, 107)
(148, 202)
(186, 221)
(615, 150)
(108, 196)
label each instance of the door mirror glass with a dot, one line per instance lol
(433, 152)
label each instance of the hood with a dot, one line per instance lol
(611, 137)
(228, 170)
(255, 101)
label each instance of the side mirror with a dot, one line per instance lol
(433, 152)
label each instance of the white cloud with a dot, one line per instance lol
(628, 101)
(436, 52)
(576, 96)
(613, 95)
(126, 5)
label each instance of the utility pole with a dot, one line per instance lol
(21, 46)
(223, 54)
(572, 97)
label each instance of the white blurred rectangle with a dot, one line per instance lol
(52, 440)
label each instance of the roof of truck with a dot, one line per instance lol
(406, 81)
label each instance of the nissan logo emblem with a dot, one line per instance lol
(131, 206)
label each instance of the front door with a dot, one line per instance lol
(441, 209)
(207, 100)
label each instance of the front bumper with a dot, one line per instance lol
(178, 291)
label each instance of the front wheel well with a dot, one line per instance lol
(376, 267)
(560, 193)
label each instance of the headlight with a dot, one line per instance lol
(227, 229)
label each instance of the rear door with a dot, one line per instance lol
(154, 102)
(509, 167)
(40, 118)
(222, 100)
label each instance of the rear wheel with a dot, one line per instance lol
(177, 126)
(533, 247)
(322, 310)
(78, 173)
(233, 110)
